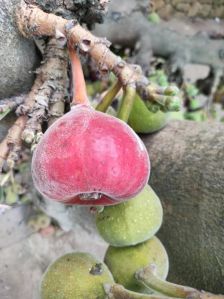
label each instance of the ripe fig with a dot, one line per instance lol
(142, 120)
(75, 276)
(125, 261)
(131, 222)
(89, 157)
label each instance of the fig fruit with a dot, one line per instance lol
(75, 276)
(89, 157)
(142, 120)
(133, 221)
(125, 261)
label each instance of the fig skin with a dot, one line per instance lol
(142, 120)
(123, 262)
(75, 276)
(133, 221)
(91, 158)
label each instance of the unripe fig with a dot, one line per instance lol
(133, 221)
(124, 262)
(142, 120)
(75, 276)
(89, 157)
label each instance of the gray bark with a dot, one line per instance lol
(18, 56)
(187, 174)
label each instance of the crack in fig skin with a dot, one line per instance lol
(90, 152)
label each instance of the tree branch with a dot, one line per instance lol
(32, 21)
(49, 87)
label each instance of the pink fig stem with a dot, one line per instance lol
(78, 81)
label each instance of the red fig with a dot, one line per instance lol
(88, 157)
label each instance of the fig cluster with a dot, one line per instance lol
(91, 158)
(129, 228)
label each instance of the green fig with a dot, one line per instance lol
(132, 221)
(75, 276)
(142, 120)
(124, 262)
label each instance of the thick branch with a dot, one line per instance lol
(88, 11)
(32, 21)
(187, 174)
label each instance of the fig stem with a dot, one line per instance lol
(117, 291)
(78, 81)
(127, 103)
(109, 96)
(149, 278)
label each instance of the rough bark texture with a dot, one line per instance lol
(18, 56)
(87, 11)
(187, 174)
(128, 27)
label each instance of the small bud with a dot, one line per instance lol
(28, 136)
(85, 45)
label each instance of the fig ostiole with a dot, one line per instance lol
(88, 157)
(75, 276)
(123, 262)
(142, 120)
(133, 221)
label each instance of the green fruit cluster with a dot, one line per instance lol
(130, 229)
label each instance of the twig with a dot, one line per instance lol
(32, 21)
(50, 73)
(49, 87)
